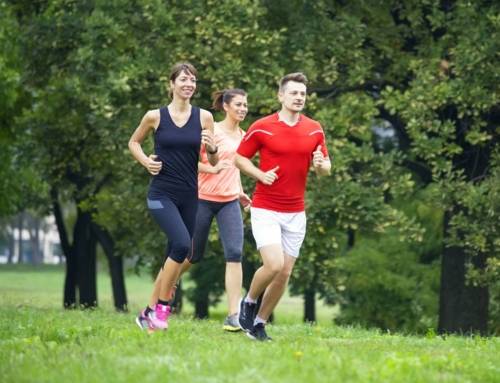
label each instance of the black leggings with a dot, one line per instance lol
(228, 215)
(176, 217)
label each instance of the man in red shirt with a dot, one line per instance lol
(287, 142)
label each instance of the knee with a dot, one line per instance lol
(179, 251)
(284, 274)
(275, 267)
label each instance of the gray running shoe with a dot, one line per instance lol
(231, 323)
(143, 321)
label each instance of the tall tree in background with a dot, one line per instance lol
(451, 112)
(10, 103)
(69, 129)
(430, 74)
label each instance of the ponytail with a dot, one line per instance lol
(221, 97)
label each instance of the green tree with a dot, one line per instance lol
(70, 128)
(450, 111)
(10, 94)
(428, 71)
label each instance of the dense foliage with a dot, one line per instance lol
(407, 92)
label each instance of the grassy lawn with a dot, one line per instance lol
(40, 342)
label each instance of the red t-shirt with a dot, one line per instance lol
(290, 148)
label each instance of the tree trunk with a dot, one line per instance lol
(12, 244)
(201, 305)
(463, 308)
(351, 238)
(310, 305)
(70, 280)
(80, 258)
(70, 283)
(33, 230)
(20, 228)
(115, 264)
(84, 244)
(178, 298)
(37, 251)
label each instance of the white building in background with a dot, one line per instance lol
(48, 243)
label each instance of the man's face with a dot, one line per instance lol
(293, 96)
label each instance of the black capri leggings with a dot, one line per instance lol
(176, 217)
(228, 215)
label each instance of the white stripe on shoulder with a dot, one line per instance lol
(257, 131)
(316, 131)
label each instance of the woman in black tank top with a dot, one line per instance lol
(179, 129)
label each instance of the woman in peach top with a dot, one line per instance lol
(220, 194)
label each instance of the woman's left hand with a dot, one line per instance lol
(245, 201)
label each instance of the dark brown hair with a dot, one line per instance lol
(297, 77)
(178, 68)
(225, 96)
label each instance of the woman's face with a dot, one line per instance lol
(184, 85)
(237, 108)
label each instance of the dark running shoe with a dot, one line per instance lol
(247, 315)
(258, 332)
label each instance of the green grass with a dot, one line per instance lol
(40, 342)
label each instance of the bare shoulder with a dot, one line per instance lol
(207, 120)
(152, 118)
(152, 115)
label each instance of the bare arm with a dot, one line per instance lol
(149, 122)
(207, 168)
(247, 167)
(207, 136)
(245, 200)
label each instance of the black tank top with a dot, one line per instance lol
(178, 149)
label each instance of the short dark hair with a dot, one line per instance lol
(178, 68)
(297, 77)
(225, 96)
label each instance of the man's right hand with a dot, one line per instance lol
(270, 176)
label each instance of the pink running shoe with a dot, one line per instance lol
(159, 317)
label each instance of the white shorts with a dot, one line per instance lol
(277, 228)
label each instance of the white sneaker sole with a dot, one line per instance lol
(138, 323)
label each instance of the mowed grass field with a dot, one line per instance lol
(41, 342)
